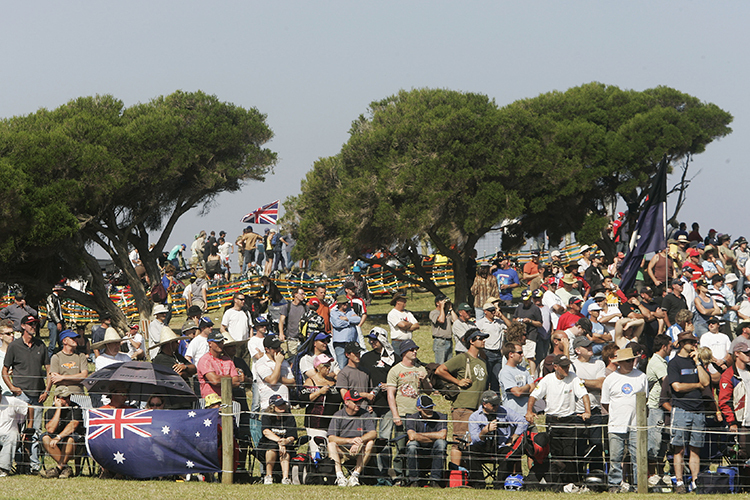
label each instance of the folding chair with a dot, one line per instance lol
(83, 460)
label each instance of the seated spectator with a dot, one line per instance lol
(319, 346)
(279, 435)
(109, 349)
(135, 343)
(64, 432)
(427, 430)
(215, 365)
(156, 402)
(352, 377)
(497, 435)
(255, 344)
(13, 412)
(351, 435)
(170, 357)
(117, 393)
(68, 368)
(324, 399)
(272, 373)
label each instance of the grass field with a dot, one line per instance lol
(24, 487)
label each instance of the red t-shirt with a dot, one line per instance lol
(223, 367)
(568, 319)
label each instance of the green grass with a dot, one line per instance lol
(22, 487)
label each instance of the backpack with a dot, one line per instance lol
(449, 390)
(158, 293)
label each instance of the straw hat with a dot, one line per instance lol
(624, 355)
(168, 335)
(110, 337)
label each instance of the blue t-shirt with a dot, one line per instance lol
(514, 377)
(506, 277)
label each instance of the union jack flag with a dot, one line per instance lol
(267, 214)
(119, 422)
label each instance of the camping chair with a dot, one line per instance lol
(82, 457)
(488, 460)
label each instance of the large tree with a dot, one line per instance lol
(95, 173)
(448, 166)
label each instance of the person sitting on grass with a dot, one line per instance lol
(65, 432)
(279, 435)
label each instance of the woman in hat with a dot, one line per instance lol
(279, 436)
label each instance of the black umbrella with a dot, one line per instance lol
(144, 378)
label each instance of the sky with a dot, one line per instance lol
(314, 67)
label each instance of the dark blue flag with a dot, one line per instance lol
(153, 443)
(650, 233)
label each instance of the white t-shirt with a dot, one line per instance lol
(105, 360)
(306, 363)
(618, 391)
(551, 299)
(237, 322)
(560, 395)
(496, 331)
(196, 349)
(154, 335)
(224, 250)
(588, 371)
(718, 343)
(255, 345)
(264, 367)
(395, 317)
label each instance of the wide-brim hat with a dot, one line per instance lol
(111, 336)
(569, 279)
(397, 296)
(624, 355)
(168, 335)
(229, 340)
(160, 309)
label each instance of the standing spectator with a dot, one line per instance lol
(279, 435)
(13, 413)
(6, 337)
(67, 367)
(695, 234)
(532, 274)
(23, 372)
(705, 307)
(272, 372)
(291, 314)
(719, 344)
(462, 323)
(18, 311)
(344, 323)
(687, 377)
(427, 430)
(733, 390)
(196, 293)
(361, 289)
(491, 325)
(515, 380)
(97, 332)
(484, 288)
(593, 274)
(553, 302)
(403, 385)
(656, 372)
(268, 240)
(469, 372)
(55, 319)
(248, 241)
(196, 250)
(401, 321)
(352, 377)
(528, 314)
(214, 366)
(507, 280)
(64, 433)
(591, 373)
(236, 320)
(359, 307)
(585, 261)
(175, 256)
(442, 331)
(618, 398)
(323, 309)
(561, 389)
(351, 434)
(674, 301)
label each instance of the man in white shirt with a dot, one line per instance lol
(198, 347)
(236, 321)
(553, 302)
(154, 328)
(401, 321)
(592, 373)
(13, 412)
(719, 344)
(272, 372)
(495, 327)
(462, 323)
(560, 390)
(618, 398)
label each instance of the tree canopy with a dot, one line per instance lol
(449, 165)
(94, 172)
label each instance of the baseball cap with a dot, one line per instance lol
(271, 342)
(276, 400)
(188, 325)
(491, 397)
(407, 345)
(425, 401)
(474, 333)
(321, 359)
(352, 395)
(741, 347)
(575, 300)
(27, 320)
(538, 293)
(561, 360)
(352, 347)
(526, 294)
(62, 391)
(194, 311)
(713, 319)
(595, 307)
(261, 321)
(583, 341)
(68, 333)
(322, 336)
(215, 337)
(463, 306)
(204, 322)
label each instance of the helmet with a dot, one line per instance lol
(514, 482)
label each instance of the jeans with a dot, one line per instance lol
(8, 442)
(588, 434)
(278, 258)
(415, 450)
(52, 327)
(617, 444)
(494, 364)
(398, 459)
(443, 349)
(657, 444)
(339, 354)
(35, 441)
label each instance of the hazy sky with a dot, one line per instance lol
(313, 67)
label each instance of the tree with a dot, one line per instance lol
(449, 165)
(96, 173)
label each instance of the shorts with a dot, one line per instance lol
(687, 428)
(77, 438)
(460, 417)
(529, 350)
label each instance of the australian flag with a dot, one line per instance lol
(650, 233)
(267, 214)
(153, 443)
